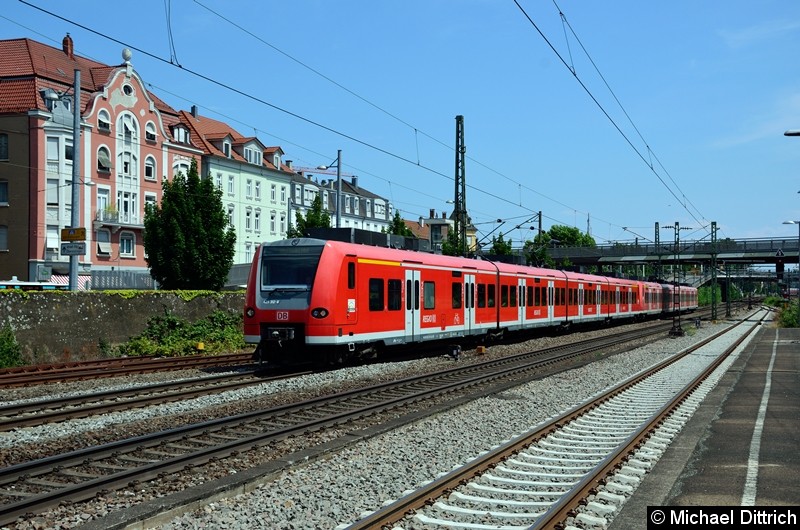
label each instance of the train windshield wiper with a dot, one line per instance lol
(288, 289)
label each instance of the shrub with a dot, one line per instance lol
(170, 336)
(10, 349)
(789, 316)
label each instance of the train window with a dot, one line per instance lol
(537, 293)
(408, 295)
(351, 275)
(530, 296)
(429, 294)
(395, 296)
(376, 294)
(522, 296)
(512, 296)
(456, 288)
(416, 294)
(491, 295)
(504, 296)
(456, 274)
(481, 295)
(471, 296)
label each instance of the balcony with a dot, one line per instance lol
(110, 217)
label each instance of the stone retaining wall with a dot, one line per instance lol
(63, 326)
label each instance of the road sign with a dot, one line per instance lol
(73, 234)
(73, 249)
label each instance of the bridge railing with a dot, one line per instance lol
(666, 249)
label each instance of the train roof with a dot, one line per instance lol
(440, 260)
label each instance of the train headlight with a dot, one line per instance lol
(250, 312)
(319, 312)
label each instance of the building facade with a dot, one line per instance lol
(358, 207)
(124, 150)
(129, 143)
(254, 180)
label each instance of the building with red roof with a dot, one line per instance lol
(127, 148)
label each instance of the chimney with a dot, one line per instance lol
(433, 214)
(194, 111)
(421, 222)
(288, 164)
(354, 180)
(444, 215)
(68, 46)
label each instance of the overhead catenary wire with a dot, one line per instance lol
(264, 102)
(300, 117)
(602, 109)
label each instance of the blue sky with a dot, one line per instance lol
(691, 130)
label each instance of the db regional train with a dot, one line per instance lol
(331, 301)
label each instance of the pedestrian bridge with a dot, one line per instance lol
(742, 251)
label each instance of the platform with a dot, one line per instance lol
(742, 446)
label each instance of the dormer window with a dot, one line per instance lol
(104, 121)
(181, 134)
(277, 161)
(252, 155)
(226, 149)
(150, 132)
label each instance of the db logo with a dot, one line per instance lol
(282, 315)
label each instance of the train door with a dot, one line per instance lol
(469, 303)
(351, 296)
(551, 297)
(521, 301)
(412, 305)
(580, 301)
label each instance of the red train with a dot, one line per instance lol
(334, 300)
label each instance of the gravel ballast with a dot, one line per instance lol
(336, 489)
(333, 492)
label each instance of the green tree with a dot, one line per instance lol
(500, 247)
(451, 246)
(188, 240)
(315, 218)
(399, 227)
(536, 251)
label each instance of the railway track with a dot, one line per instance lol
(40, 412)
(576, 470)
(102, 368)
(32, 487)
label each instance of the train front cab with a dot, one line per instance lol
(278, 297)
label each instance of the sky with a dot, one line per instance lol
(606, 116)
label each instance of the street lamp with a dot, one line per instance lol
(789, 283)
(338, 163)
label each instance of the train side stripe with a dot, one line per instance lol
(379, 262)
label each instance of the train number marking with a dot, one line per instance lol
(281, 315)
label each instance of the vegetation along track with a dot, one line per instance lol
(32, 487)
(575, 470)
(61, 372)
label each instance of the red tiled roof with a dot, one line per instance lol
(205, 130)
(17, 95)
(52, 68)
(422, 232)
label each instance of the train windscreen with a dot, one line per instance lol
(289, 266)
